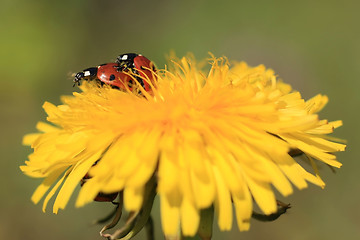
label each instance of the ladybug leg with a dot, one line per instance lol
(87, 74)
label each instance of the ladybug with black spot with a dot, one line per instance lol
(139, 65)
(117, 74)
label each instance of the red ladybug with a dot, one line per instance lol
(115, 75)
(139, 65)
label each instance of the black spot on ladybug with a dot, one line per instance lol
(112, 77)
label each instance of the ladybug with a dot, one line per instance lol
(139, 65)
(117, 74)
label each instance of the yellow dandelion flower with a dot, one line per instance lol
(221, 138)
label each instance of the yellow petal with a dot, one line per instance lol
(190, 218)
(203, 187)
(243, 209)
(168, 174)
(133, 198)
(45, 127)
(223, 205)
(54, 189)
(45, 185)
(28, 139)
(88, 192)
(263, 195)
(77, 173)
(290, 168)
(320, 154)
(170, 216)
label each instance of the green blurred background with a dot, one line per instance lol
(314, 45)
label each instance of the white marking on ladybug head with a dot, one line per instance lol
(125, 57)
(87, 73)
